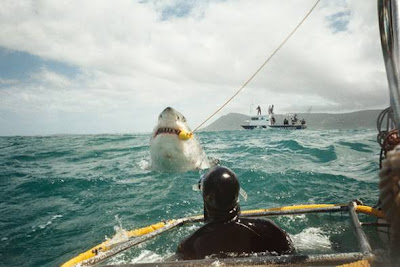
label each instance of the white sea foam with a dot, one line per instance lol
(312, 239)
(297, 217)
(43, 226)
(144, 164)
(147, 256)
(121, 234)
(216, 263)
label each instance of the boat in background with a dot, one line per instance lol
(290, 122)
(259, 121)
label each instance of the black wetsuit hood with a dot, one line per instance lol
(220, 194)
(223, 233)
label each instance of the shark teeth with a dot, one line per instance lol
(167, 131)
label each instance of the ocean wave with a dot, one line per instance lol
(88, 180)
(361, 147)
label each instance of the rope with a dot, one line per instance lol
(259, 69)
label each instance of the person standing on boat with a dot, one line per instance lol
(258, 110)
(225, 232)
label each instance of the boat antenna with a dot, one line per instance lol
(259, 69)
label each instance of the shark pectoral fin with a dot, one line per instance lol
(184, 135)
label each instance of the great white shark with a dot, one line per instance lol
(171, 153)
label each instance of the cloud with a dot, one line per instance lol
(8, 81)
(51, 79)
(135, 58)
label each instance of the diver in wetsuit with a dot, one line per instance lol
(225, 232)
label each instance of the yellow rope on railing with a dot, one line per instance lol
(106, 245)
(371, 211)
(296, 207)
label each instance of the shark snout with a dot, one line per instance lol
(168, 110)
(170, 114)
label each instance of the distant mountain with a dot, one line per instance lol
(365, 119)
(228, 122)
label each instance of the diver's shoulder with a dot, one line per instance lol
(257, 221)
(263, 225)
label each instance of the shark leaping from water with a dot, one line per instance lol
(168, 151)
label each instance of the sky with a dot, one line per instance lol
(90, 67)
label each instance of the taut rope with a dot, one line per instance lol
(259, 69)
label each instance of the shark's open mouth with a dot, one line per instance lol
(167, 131)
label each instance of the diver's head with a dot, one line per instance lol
(220, 194)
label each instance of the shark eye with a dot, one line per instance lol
(160, 117)
(184, 119)
(177, 117)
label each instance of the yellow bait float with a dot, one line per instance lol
(183, 135)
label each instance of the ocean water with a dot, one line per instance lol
(61, 195)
